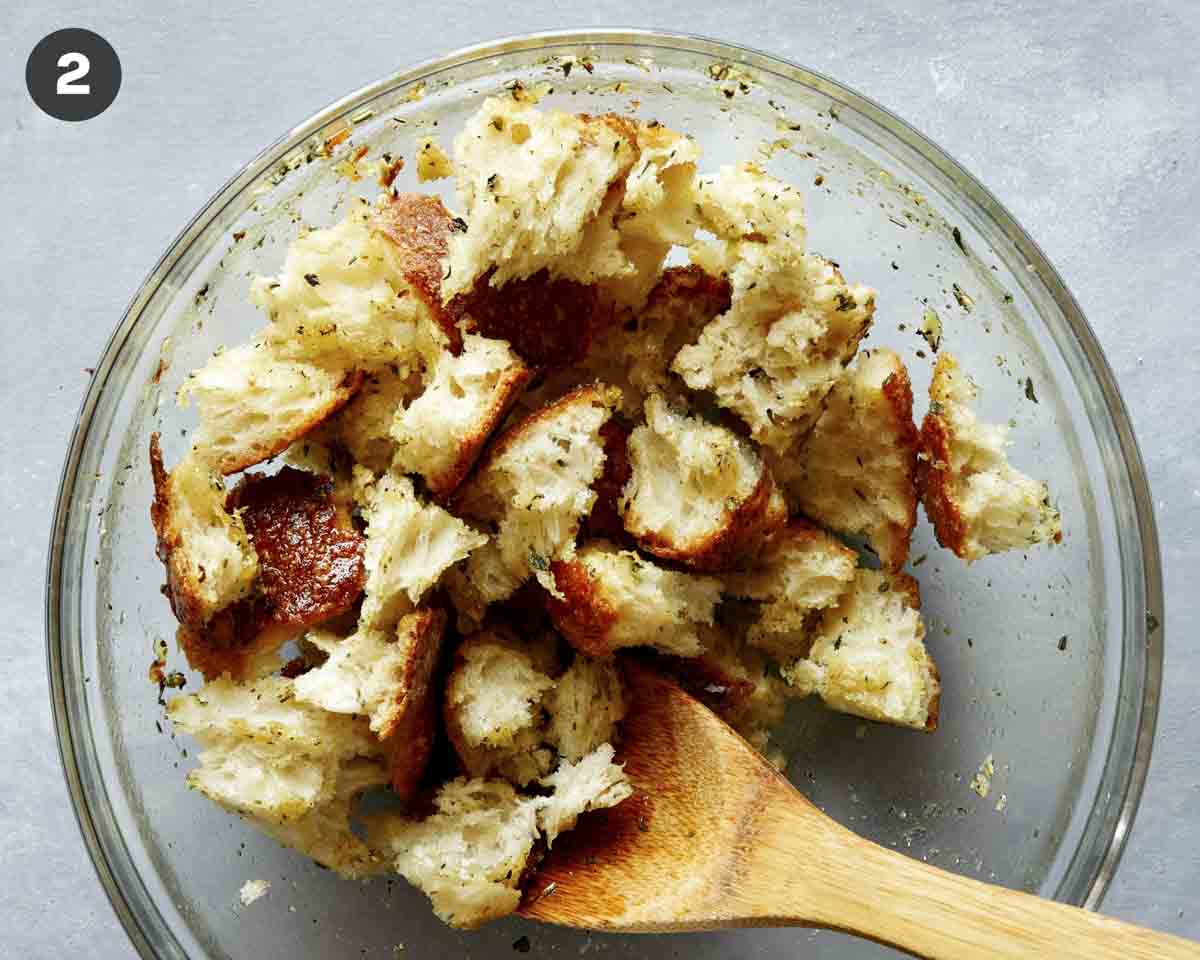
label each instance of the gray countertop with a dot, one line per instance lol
(1082, 117)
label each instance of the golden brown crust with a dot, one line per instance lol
(737, 542)
(420, 227)
(310, 555)
(604, 522)
(409, 736)
(181, 590)
(598, 394)
(549, 323)
(255, 453)
(897, 393)
(935, 485)
(443, 484)
(583, 616)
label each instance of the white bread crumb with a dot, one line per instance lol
(584, 706)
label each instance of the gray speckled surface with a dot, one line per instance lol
(1082, 117)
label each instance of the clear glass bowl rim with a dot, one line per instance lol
(145, 927)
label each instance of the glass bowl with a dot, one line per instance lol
(1050, 661)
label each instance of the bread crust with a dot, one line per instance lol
(584, 616)
(409, 736)
(548, 322)
(604, 522)
(420, 226)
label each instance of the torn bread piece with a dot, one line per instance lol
(291, 769)
(493, 707)
(210, 561)
(409, 545)
(441, 433)
(857, 471)
(868, 655)
(699, 494)
(584, 707)
(342, 299)
(363, 428)
(469, 855)
(532, 185)
(254, 404)
(657, 209)
(978, 502)
(610, 598)
(310, 570)
(325, 834)
(793, 322)
(802, 569)
(594, 782)
(533, 486)
(386, 677)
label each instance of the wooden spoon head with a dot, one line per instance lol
(674, 855)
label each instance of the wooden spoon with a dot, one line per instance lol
(714, 837)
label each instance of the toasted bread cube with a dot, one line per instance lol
(210, 561)
(611, 598)
(868, 655)
(857, 471)
(585, 706)
(253, 403)
(386, 678)
(592, 783)
(793, 322)
(363, 428)
(409, 546)
(532, 184)
(493, 707)
(978, 502)
(801, 570)
(534, 485)
(342, 300)
(442, 431)
(266, 754)
(469, 856)
(699, 494)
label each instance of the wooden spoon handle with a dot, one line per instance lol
(928, 912)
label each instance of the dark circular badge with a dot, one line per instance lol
(73, 74)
